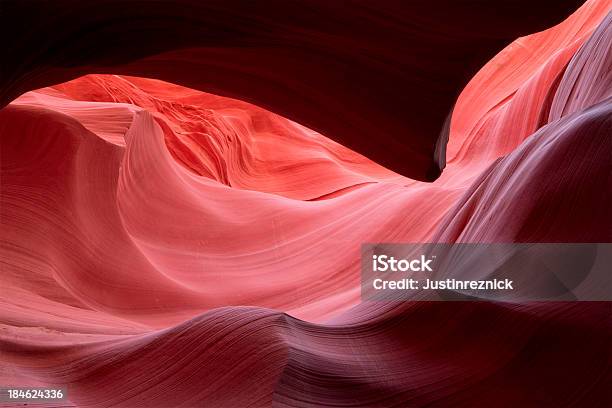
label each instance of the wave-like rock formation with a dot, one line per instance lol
(350, 70)
(162, 246)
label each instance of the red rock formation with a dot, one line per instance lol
(162, 246)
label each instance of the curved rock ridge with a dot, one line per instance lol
(348, 70)
(166, 247)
